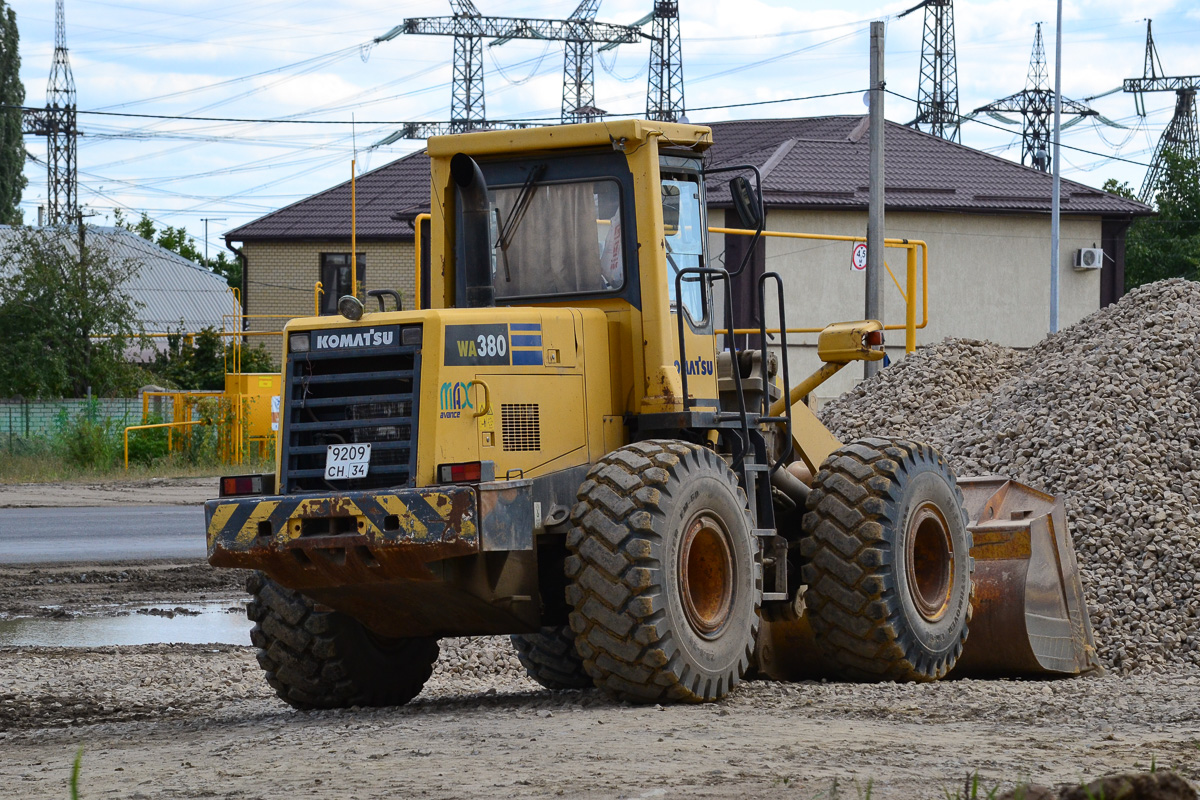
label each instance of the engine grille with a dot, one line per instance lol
(344, 397)
(520, 426)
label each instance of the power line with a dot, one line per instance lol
(281, 121)
(978, 121)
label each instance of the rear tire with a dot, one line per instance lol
(887, 562)
(326, 659)
(549, 657)
(665, 583)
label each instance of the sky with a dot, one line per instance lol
(261, 61)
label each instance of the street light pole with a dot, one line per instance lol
(874, 304)
(207, 220)
(1056, 191)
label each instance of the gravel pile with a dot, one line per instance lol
(479, 664)
(903, 398)
(1107, 413)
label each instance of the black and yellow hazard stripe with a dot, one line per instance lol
(420, 515)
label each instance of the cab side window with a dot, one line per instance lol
(683, 223)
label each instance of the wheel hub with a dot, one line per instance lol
(706, 575)
(930, 562)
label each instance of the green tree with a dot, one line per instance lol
(1122, 188)
(228, 268)
(1167, 245)
(12, 142)
(177, 240)
(66, 319)
(199, 361)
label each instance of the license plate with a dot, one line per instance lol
(344, 461)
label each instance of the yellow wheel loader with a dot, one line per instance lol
(565, 443)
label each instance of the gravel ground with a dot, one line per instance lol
(183, 721)
(1107, 413)
(198, 721)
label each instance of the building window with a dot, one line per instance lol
(335, 278)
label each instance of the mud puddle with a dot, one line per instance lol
(218, 622)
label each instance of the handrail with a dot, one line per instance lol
(167, 425)
(417, 220)
(910, 325)
(318, 290)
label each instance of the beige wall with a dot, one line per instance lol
(988, 278)
(281, 277)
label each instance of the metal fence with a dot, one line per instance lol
(33, 419)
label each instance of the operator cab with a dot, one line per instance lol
(563, 229)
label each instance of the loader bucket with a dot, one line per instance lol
(1030, 617)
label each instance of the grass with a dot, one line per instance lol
(971, 790)
(75, 773)
(48, 469)
(88, 447)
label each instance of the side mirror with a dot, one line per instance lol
(670, 207)
(747, 202)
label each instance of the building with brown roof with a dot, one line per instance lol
(986, 221)
(285, 253)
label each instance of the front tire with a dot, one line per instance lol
(550, 658)
(665, 584)
(887, 562)
(326, 659)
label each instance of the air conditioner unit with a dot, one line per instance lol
(1089, 258)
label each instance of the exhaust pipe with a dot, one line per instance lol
(473, 256)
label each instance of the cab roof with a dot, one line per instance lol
(561, 137)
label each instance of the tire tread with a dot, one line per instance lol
(852, 597)
(306, 662)
(618, 612)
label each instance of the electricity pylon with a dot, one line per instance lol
(1182, 135)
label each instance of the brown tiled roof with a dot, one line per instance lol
(399, 189)
(808, 163)
(812, 163)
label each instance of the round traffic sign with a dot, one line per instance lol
(859, 260)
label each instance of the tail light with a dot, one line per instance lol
(467, 472)
(471, 471)
(874, 339)
(243, 485)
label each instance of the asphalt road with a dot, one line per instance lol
(60, 535)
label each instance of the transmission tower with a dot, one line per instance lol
(579, 94)
(57, 123)
(469, 28)
(664, 93)
(1181, 135)
(466, 92)
(1036, 106)
(937, 94)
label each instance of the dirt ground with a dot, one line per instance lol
(155, 491)
(195, 721)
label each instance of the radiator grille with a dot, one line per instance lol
(520, 426)
(344, 397)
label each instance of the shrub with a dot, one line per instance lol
(88, 440)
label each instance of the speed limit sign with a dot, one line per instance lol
(858, 261)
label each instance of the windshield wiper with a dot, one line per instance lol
(505, 232)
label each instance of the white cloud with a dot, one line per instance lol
(124, 53)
